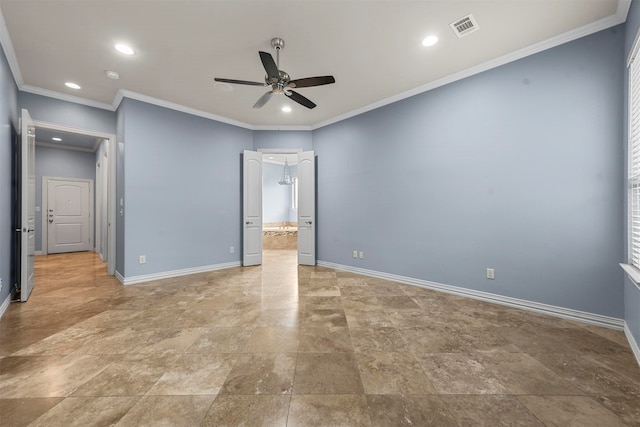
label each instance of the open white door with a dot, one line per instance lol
(306, 208)
(252, 208)
(28, 206)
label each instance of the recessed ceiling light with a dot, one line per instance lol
(123, 48)
(429, 41)
(72, 85)
(286, 109)
(56, 139)
(271, 157)
(112, 75)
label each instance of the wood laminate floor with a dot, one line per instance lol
(279, 344)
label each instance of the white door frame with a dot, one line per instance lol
(45, 201)
(111, 185)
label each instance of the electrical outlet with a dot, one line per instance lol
(142, 259)
(491, 274)
(361, 255)
(355, 254)
(232, 250)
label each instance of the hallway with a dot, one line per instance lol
(280, 344)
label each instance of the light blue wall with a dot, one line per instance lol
(182, 189)
(8, 119)
(518, 169)
(66, 113)
(276, 198)
(59, 163)
(271, 139)
(631, 291)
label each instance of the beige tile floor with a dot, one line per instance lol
(280, 345)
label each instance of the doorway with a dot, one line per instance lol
(279, 201)
(68, 221)
(303, 196)
(71, 153)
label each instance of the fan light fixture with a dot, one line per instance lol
(278, 81)
(286, 179)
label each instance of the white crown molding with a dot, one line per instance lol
(174, 273)
(7, 46)
(283, 128)
(5, 304)
(566, 313)
(618, 18)
(173, 106)
(65, 97)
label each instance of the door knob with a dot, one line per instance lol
(309, 222)
(248, 222)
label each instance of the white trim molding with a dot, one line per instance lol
(552, 310)
(632, 342)
(175, 273)
(173, 106)
(5, 304)
(632, 272)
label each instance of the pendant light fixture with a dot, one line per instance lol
(286, 179)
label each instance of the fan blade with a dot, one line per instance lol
(239, 82)
(312, 81)
(300, 99)
(269, 65)
(263, 99)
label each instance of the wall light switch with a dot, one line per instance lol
(361, 255)
(355, 254)
(142, 259)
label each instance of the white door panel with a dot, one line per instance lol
(69, 206)
(252, 208)
(306, 208)
(28, 206)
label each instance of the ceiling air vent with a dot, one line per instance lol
(464, 26)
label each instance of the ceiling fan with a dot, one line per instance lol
(279, 80)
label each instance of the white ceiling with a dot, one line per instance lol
(373, 48)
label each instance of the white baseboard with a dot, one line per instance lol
(566, 313)
(119, 276)
(175, 273)
(632, 342)
(38, 253)
(5, 304)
